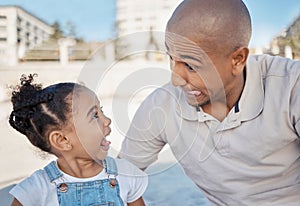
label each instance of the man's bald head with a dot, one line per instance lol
(222, 25)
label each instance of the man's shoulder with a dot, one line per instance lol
(164, 94)
(166, 99)
(274, 65)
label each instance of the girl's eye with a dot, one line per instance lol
(189, 67)
(96, 115)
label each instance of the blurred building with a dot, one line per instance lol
(20, 31)
(149, 17)
(135, 16)
(64, 50)
(287, 44)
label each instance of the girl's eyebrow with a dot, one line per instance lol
(91, 110)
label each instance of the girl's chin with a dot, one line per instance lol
(100, 155)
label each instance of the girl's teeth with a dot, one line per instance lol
(105, 144)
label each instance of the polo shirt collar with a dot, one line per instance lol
(252, 98)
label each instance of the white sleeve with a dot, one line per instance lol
(133, 181)
(32, 190)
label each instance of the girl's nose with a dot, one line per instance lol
(107, 121)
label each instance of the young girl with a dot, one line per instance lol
(66, 120)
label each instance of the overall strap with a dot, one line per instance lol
(52, 171)
(110, 166)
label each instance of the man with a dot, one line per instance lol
(231, 120)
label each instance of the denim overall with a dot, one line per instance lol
(93, 193)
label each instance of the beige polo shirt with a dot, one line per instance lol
(250, 158)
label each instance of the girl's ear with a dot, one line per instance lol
(59, 142)
(239, 59)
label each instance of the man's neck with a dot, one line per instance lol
(220, 109)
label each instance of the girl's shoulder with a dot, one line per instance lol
(37, 181)
(39, 177)
(35, 189)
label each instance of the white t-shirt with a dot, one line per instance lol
(38, 190)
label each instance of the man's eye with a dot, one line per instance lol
(189, 67)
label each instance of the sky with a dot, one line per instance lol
(95, 19)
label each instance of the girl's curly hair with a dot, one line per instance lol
(37, 111)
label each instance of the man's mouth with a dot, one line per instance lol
(194, 93)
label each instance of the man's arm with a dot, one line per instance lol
(143, 140)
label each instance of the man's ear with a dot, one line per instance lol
(239, 59)
(59, 141)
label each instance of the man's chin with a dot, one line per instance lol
(196, 103)
(197, 100)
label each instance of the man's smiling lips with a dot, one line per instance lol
(194, 93)
(194, 96)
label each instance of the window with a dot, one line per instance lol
(27, 25)
(19, 20)
(19, 31)
(2, 28)
(3, 39)
(3, 17)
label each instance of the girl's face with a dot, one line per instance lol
(90, 126)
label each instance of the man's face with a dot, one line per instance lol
(202, 76)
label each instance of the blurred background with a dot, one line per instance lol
(117, 48)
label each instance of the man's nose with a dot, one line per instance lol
(179, 76)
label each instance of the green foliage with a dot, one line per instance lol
(57, 31)
(68, 30)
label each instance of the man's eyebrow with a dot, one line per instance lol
(91, 110)
(182, 56)
(189, 57)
